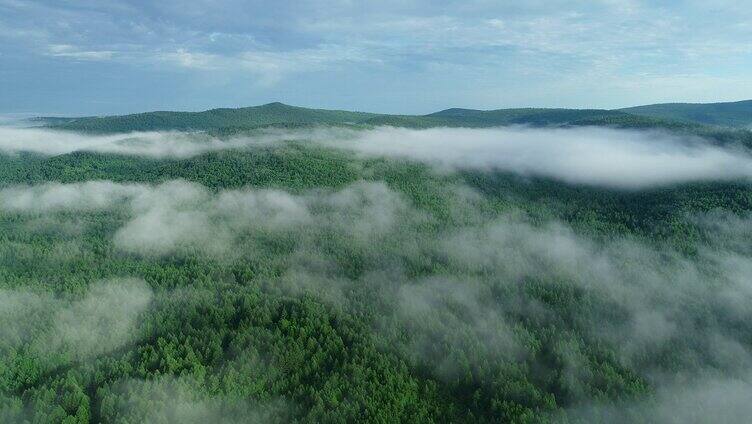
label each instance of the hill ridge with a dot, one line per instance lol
(725, 114)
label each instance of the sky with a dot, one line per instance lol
(98, 57)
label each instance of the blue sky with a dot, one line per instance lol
(400, 56)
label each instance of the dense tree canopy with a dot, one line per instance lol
(294, 282)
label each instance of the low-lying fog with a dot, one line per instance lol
(585, 155)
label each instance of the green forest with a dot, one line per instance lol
(722, 118)
(293, 280)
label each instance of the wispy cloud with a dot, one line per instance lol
(475, 52)
(575, 28)
(72, 52)
(270, 66)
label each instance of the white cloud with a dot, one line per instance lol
(699, 400)
(179, 216)
(102, 320)
(72, 52)
(185, 400)
(584, 155)
(590, 156)
(150, 144)
(480, 53)
(269, 65)
(386, 33)
(87, 196)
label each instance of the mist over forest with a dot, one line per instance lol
(392, 211)
(335, 272)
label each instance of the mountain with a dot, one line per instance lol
(214, 119)
(457, 117)
(281, 114)
(528, 116)
(233, 120)
(229, 120)
(730, 114)
(723, 122)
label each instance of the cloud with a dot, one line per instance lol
(168, 144)
(184, 400)
(151, 144)
(589, 156)
(50, 197)
(68, 51)
(658, 310)
(649, 284)
(612, 158)
(169, 217)
(178, 214)
(104, 319)
(712, 399)
(269, 66)
(454, 312)
(382, 50)
(14, 120)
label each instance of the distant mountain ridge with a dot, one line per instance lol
(729, 114)
(254, 116)
(529, 116)
(671, 115)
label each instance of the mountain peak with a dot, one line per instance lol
(455, 111)
(276, 105)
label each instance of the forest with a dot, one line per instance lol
(535, 266)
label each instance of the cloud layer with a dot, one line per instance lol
(99, 322)
(148, 144)
(177, 215)
(588, 155)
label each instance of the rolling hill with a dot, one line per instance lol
(528, 116)
(228, 122)
(247, 117)
(722, 122)
(729, 114)
(275, 114)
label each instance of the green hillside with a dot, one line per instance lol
(730, 114)
(529, 116)
(248, 117)
(281, 114)
(228, 120)
(51, 120)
